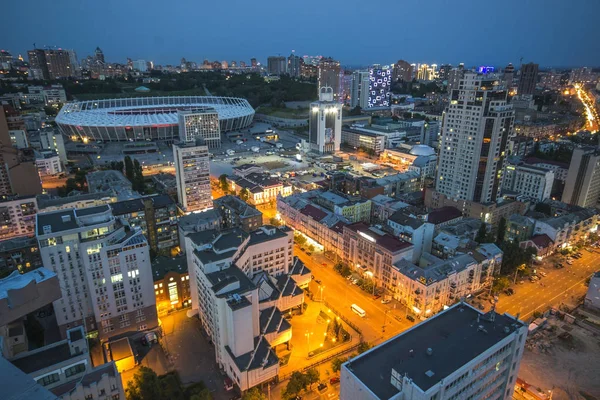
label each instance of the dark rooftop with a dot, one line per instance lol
(254, 359)
(401, 218)
(271, 321)
(163, 265)
(94, 376)
(298, 267)
(443, 214)
(383, 239)
(230, 276)
(313, 212)
(454, 336)
(82, 212)
(120, 349)
(44, 358)
(137, 205)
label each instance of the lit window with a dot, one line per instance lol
(155, 286)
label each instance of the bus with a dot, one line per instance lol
(358, 310)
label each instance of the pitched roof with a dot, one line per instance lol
(542, 241)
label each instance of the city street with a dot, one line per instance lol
(559, 286)
(341, 294)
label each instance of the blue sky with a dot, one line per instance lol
(549, 32)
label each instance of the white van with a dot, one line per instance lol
(358, 310)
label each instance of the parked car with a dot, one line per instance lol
(302, 248)
(410, 318)
(385, 301)
(334, 380)
(322, 387)
(317, 281)
(308, 253)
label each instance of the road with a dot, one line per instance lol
(591, 112)
(559, 286)
(53, 182)
(341, 294)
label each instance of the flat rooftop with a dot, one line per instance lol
(453, 335)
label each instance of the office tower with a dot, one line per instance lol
(99, 55)
(293, 65)
(582, 186)
(379, 87)
(140, 65)
(454, 77)
(508, 75)
(202, 124)
(477, 125)
(193, 175)
(329, 75)
(402, 71)
(527, 79)
(444, 71)
(253, 63)
(325, 123)
(104, 271)
(38, 67)
(61, 63)
(276, 65)
(460, 353)
(6, 60)
(346, 87)
(360, 89)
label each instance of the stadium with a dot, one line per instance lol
(146, 118)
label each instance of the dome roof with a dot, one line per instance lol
(422, 150)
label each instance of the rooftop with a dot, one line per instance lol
(232, 279)
(222, 244)
(163, 265)
(94, 376)
(435, 272)
(17, 385)
(137, 205)
(44, 357)
(120, 349)
(271, 321)
(401, 218)
(443, 214)
(196, 222)
(239, 206)
(17, 243)
(17, 280)
(382, 239)
(456, 336)
(261, 357)
(45, 201)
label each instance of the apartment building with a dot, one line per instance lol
(155, 215)
(353, 209)
(582, 186)
(19, 253)
(413, 230)
(104, 270)
(531, 182)
(171, 283)
(48, 163)
(240, 284)
(192, 167)
(237, 213)
(373, 252)
(17, 216)
(370, 142)
(261, 188)
(568, 229)
(48, 203)
(401, 183)
(383, 206)
(432, 283)
(460, 353)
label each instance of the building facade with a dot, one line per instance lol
(582, 186)
(17, 216)
(475, 131)
(367, 141)
(193, 176)
(531, 182)
(276, 65)
(527, 78)
(359, 95)
(329, 75)
(103, 268)
(48, 163)
(237, 213)
(202, 124)
(325, 123)
(403, 71)
(380, 81)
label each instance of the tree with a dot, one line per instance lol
(311, 248)
(138, 183)
(254, 394)
(336, 363)
(296, 384)
(501, 230)
(244, 194)
(501, 283)
(481, 233)
(362, 347)
(223, 183)
(300, 240)
(129, 172)
(145, 385)
(274, 221)
(312, 376)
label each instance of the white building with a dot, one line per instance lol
(532, 182)
(193, 176)
(18, 138)
(476, 126)
(103, 268)
(240, 284)
(460, 353)
(568, 229)
(412, 230)
(325, 123)
(202, 124)
(360, 89)
(582, 186)
(48, 163)
(51, 139)
(17, 216)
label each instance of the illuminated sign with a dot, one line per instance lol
(369, 238)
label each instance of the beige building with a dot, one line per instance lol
(582, 186)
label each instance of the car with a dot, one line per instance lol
(481, 307)
(324, 264)
(385, 301)
(308, 253)
(542, 273)
(521, 282)
(317, 281)
(410, 318)
(334, 380)
(302, 249)
(322, 387)
(149, 338)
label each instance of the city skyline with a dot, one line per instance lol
(518, 35)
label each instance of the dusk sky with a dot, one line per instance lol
(549, 32)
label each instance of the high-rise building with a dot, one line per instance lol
(426, 72)
(582, 186)
(6, 60)
(527, 78)
(203, 124)
(380, 81)
(104, 270)
(61, 63)
(402, 71)
(193, 175)
(253, 63)
(508, 75)
(454, 77)
(360, 89)
(99, 55)
(476, 127)
(330, 75)
(38, 68)
(460, 353)
(444, 71)
(293, 65)
(276, 65)
(532, 182)
(140, 65)
(325, 123)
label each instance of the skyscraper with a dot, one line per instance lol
(527, 79)
(192, 170)
(202, 124)
(325, 123)
(276, 65)
(454, 77)
(253, 63)
(329, 76)
(380, 81)
(99, 55)
(38, 68)
(508, 75)
(582, 186)
(402, 71)
(476, 127)
(293, 65)
(360, 89)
